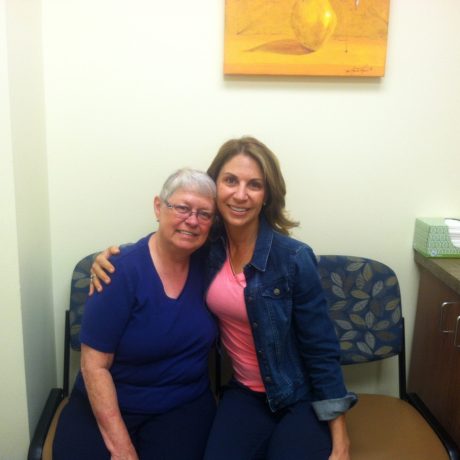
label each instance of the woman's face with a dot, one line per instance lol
(240, 192)
(178, 228)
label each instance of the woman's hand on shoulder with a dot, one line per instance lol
(101, 265)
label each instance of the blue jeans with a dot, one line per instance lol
(175, 435)
(245, 429)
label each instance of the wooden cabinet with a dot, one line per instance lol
(435, 362)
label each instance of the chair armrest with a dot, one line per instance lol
(38, 440)
(447, 441)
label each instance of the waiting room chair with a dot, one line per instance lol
(42, 441)
(364, 301)
(365, 305)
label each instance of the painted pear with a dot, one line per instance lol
(313, 22)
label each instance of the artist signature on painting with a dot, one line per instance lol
(360, 69)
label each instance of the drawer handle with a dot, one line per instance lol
(456, 342)
(444, 307)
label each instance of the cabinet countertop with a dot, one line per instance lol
(446, 270)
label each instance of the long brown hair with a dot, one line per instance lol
(274, 208)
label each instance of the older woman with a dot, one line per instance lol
(143, 391)
(287, 398)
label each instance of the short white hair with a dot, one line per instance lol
(190, 180)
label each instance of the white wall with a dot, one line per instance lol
(27, 325)
(135, 89)
(14, 427)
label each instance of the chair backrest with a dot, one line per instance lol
(365, 305)
(79, 289)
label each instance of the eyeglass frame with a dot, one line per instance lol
(202, 215)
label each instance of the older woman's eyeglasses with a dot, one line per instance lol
(184, 212)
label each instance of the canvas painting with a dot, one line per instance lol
(306, 37)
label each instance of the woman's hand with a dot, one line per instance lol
(344, 455)
(100, 267)
(340, 439)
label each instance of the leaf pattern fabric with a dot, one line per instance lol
(78, 294)
(363, 297)
(365, 304)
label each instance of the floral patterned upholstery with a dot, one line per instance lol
(365, 305)
(363, 297)
(78, 294)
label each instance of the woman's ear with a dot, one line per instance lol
(157, 206)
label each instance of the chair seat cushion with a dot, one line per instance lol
(48, 446)
(387, 428)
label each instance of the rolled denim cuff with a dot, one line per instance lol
(329, 409)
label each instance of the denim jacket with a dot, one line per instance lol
(295, 341)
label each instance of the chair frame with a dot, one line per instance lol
(55, 398)
(449, 444)
(414, 400)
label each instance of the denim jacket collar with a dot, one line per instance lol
(263, 245)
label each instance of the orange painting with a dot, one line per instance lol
(306, 37)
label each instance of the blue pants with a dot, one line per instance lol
(245, 429)
(179, 434)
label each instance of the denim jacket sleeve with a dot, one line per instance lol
(329, 409)
(317, 340)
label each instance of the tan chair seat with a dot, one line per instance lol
(386, 428)
(48, 446)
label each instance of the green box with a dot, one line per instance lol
(431, 238)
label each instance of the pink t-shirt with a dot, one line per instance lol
(225, 298)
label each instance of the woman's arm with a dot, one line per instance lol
(340, 439)
(316, 338)
(318, 344)
(102, 395)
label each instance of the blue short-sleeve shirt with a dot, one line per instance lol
(160, 345)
